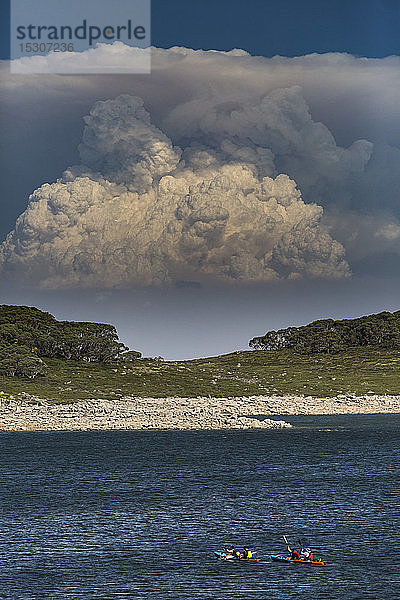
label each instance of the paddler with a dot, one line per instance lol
(294, 554)
(306, 554)
(247, 553)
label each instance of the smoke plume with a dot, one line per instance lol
(140, 210)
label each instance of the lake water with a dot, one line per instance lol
(109, 515)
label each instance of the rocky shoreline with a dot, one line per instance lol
(28, 413)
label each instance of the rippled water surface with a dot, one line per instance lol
(104, 515)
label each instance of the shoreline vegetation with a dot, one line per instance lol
(356, 372)
(254, 412)
(77, 375)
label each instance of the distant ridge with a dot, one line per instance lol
(381, 330)
(29, 335)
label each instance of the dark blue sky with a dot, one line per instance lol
(268, 27)
(41, 140)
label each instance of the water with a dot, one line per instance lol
(115, 515)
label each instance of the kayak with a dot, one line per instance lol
(224, 556)
(300, 561)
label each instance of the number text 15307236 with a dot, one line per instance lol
(29, 47)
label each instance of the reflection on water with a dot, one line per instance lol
(337, 422)
(138, 514)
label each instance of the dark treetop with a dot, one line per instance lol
(329, 336)
(27, 335)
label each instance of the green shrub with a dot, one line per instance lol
(328, 336)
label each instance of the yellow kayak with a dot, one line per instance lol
(224, 556)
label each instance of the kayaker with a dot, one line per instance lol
(247, 553)
(230, 551)
(295, 554)
(306, 554)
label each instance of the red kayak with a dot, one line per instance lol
(297, 561)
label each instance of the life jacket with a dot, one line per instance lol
(248, 554)
(295, 555)
(310, 556)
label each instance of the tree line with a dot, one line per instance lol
(28, 335)
(331, 336)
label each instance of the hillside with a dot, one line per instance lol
(66, 361)
(238, 374)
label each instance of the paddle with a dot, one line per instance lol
(287, 543)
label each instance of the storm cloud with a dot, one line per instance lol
(141, 211)
(213, 168)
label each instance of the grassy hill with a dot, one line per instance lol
(64, 361)
(359, 370)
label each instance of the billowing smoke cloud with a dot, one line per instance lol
(280, 125)
(140, 210)
(120, 142)
(213, 115)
